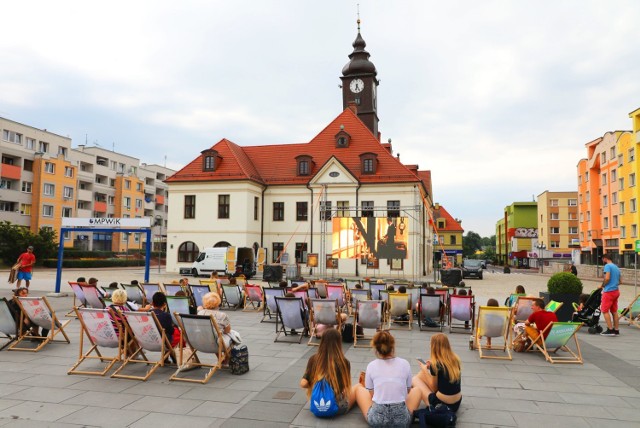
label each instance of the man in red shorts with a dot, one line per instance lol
(541, 319)
(26, 260)
(610, 296)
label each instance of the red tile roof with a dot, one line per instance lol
(451, 225)
(276, 164)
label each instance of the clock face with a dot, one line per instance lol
(356, 86)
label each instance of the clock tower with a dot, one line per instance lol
(359, 84)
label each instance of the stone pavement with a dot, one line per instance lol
(526, 392)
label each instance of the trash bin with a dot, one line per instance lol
(450, 277)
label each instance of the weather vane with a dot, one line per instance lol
(358, 12)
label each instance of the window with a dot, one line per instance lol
(67, 212)
(224, 206)
(586, 176)
(554, 216)
(302, 211)
(588, 196)
(30, 143)
(605, 223)
(209, 163)
(127, 184)
(25, 209)
(111, 200)
(393, 208)
(579, 180)
(614, 175)
(28, 165)
(605, 201)
(367, 208)
(623, 231)
(12, 137)
(367, 166)
(27, 186)
(62, 151)
(303, 167)
(573, 203)
(277, 249)
(325, 210)
(49, 167)
(190, 206)
(49, 189)
(368, 163)
(126, 201)
(621, 208)
(67, 192)
(632, 179)
(113, 165)
(452, 240)
(188, 252)
(121, 167)
(68, 171)
(112, 182)
(256, 202)
(603, 157)
(301, 252)
(632, 155)
(614, 198)
(554, 230)
(7, 206)
(47, 210)
(634, 230)
(278, 211)
(588, 215)
(43, 147)
(612, 153)
(621, 183)
(553, 202)
(581, 217)
(615, 221)
(573, 216)
(138, 203)
(634, 206)
(573, 230)
(555, 244)
(604, 178)
(139, 187)
(619, 160)
(342, 209)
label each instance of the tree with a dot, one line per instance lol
(15, 239)
(471, 243)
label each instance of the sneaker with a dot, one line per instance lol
(608, 332)
(616, 332)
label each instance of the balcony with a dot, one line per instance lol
(85, 195)
(160, 199)
(10, 171)
(100, 207)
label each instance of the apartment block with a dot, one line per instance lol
(517, 234)
(558, 223)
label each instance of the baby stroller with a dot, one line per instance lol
(590, 313)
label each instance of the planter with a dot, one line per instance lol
(450, 277)
(566, 311)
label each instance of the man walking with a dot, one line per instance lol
(610, 295)
(26, 260)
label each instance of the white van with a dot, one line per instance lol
(224, 260)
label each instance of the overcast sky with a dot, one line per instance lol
(496, 98)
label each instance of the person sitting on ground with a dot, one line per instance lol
(440, 378)
(210, 305)
(330, 363)
(384, 394)
(492, 303)
(538, 320)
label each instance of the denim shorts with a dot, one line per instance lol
(389, 415)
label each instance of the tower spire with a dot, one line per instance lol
(358, 13)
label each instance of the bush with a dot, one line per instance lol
(70, 253)
(564, 283)
(75, 263)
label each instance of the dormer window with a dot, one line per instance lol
(369, 163)
(342, 139)
(304, 165)
(210, 160)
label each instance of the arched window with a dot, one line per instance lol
(188, 252)
(222, 244)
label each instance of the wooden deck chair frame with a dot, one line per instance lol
(8, 325)
(559, 335)
(93, 298)
(493, 322)
(78, 296)
(252, 298)
(336, 291)
(399, 305)
(553, 306)
(368, 316)
(149, 335)
(40, 313)
(521, 313)
(325, 312)
(202, 334)
(457, 314)
(269, 308)
(632, 312)
(97, 326)
(291, 315)
(432, 306)
(235, 293)
(198, 292)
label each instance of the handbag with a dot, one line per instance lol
(438, 416)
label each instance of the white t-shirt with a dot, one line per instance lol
(389, 379)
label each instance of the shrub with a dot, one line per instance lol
(75, 263)
(564, 283)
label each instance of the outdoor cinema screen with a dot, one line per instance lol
(369, 237)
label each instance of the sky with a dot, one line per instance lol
(496, 98)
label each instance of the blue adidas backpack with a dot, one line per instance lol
(323, 400)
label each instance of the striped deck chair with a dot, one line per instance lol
(8, 326)
(177, 304)
(198, 291)
(368, 316)
(269, 308)
(431, 309)
(493, 322)
(97, 326)
(336, 292)
(149, 335)
(632, 312)
(150, 288)
(291, 317)
(232, 296)
(253, 297)
(553, 306)
(39, 313)
(78, 297)
(399, 310)
(558, 336)
(462, 313)
(522, 309)
(325, 312)
(202, 335)
(134, 294)
(92, 296)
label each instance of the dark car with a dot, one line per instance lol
(472, 268)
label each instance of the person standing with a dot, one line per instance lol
(26, 260)
(610, 295)
(574, 269)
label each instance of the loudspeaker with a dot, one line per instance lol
(272, 273)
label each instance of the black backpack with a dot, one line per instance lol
(438, 416)
(347, 333)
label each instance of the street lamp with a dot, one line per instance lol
(159, 223)
(541, 247)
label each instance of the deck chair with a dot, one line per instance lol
(39, 313)
(150, 288)
(252, 297)
(172, 289)
(269, 308)
(241, 282)
(134, 294)
(149, 335)
(414, 292)
(512, 299)
(8, 326)
(322, 289)
(79, 300)
(493, 322)
(93, 298)
(304, 295)
(632, 312)
(553, 306)
(325, 312)
(198, 291)
(97, 326)
(368, 316)
(376, 289)
(231, 296)
(336, 292)
(313, 293)
(399, 310)
(431, 306)
(202, 334)
(358, 294)
(558, 336)
(522, 308)
(462, 313)
(351, 283)
(290, 316)
(177, 304)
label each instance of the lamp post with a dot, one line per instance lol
(541, 247)
(159, 223)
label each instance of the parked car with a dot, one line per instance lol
(472, 268)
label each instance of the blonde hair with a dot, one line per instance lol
(211, 300)
(331, 364)
(442, 356)
(119, 297)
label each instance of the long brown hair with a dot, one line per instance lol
(331, 364)
(384, 344)
(442, 355)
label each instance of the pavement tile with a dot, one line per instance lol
(250, 423)
(104, 399)
(219, 395)
(609, 423)
(50, 381)
(156, 419)
(100, 416)
(482, 416)
(176, 406)
(49, 412)
(212, 409)
(100, 384)
(45, 394)
(267, 411)
(593, 399)
(8, 389)
(146, 388)
(568, 409)
(505, 404)
(249, 385)
(530, 420)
